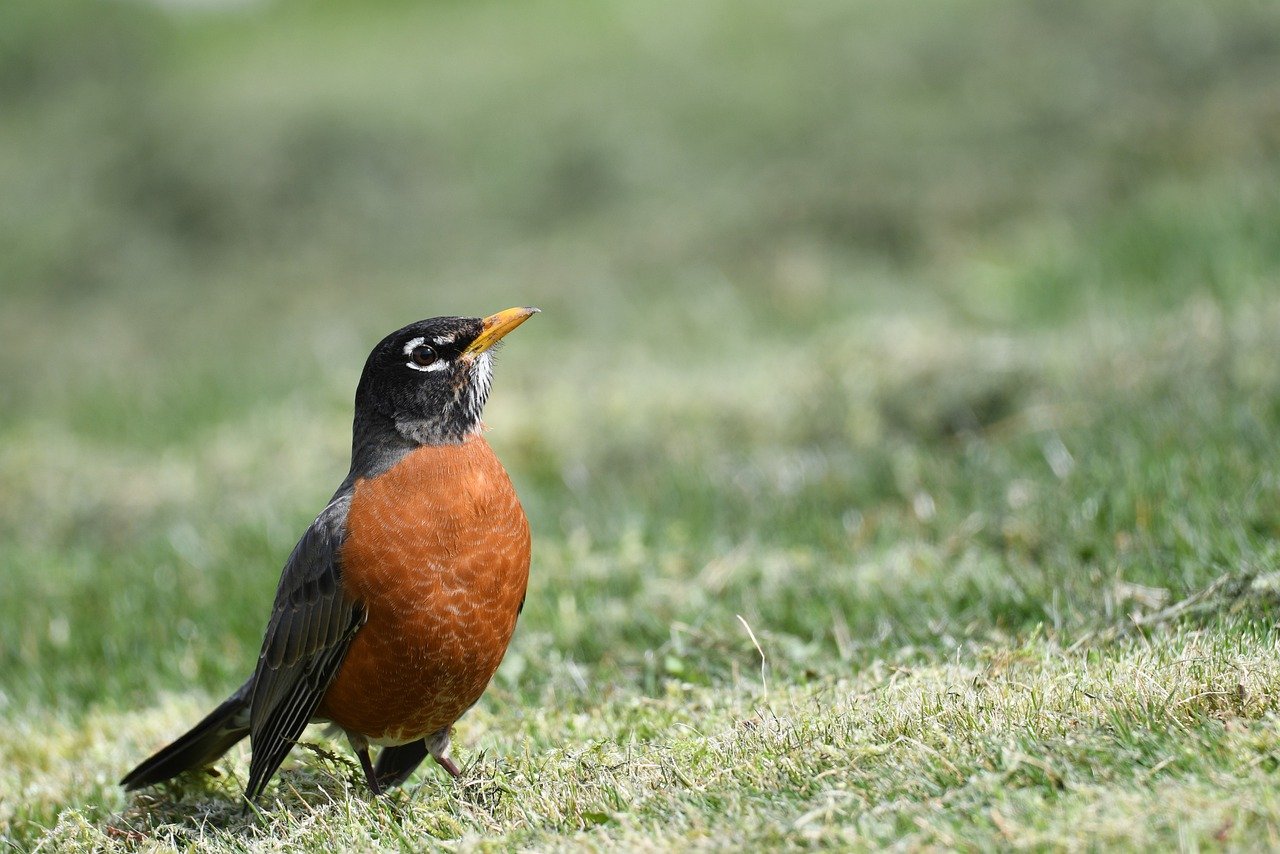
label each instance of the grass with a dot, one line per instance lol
(899, 437)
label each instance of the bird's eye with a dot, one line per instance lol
(423, 355)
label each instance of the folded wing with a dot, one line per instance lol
(312, 624)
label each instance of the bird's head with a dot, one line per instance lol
(430, 380)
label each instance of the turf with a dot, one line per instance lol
(900, 436)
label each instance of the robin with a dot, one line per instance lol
(397, 605)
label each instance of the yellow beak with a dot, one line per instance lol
(496, 326)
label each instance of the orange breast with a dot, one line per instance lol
(437, 550)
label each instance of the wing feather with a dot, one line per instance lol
(312, 623)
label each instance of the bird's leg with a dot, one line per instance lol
(360, 745)
(367, 764)
(438, 744)
(449, 765)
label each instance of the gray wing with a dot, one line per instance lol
(311, 627)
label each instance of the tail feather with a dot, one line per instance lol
(201, 745)
(395, 764)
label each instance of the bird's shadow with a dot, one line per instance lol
(194, 806)
(209, 804)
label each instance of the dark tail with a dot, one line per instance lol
(204, 743)
(395, 764)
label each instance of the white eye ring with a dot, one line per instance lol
(411, 348)
(437, 365)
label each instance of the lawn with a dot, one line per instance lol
(900, 436)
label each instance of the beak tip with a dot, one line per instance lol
(495, 326)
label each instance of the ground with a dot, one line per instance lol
(900, 436)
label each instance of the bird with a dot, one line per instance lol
(398, 603)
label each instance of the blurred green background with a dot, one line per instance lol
(794, 259)
(888, 326)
